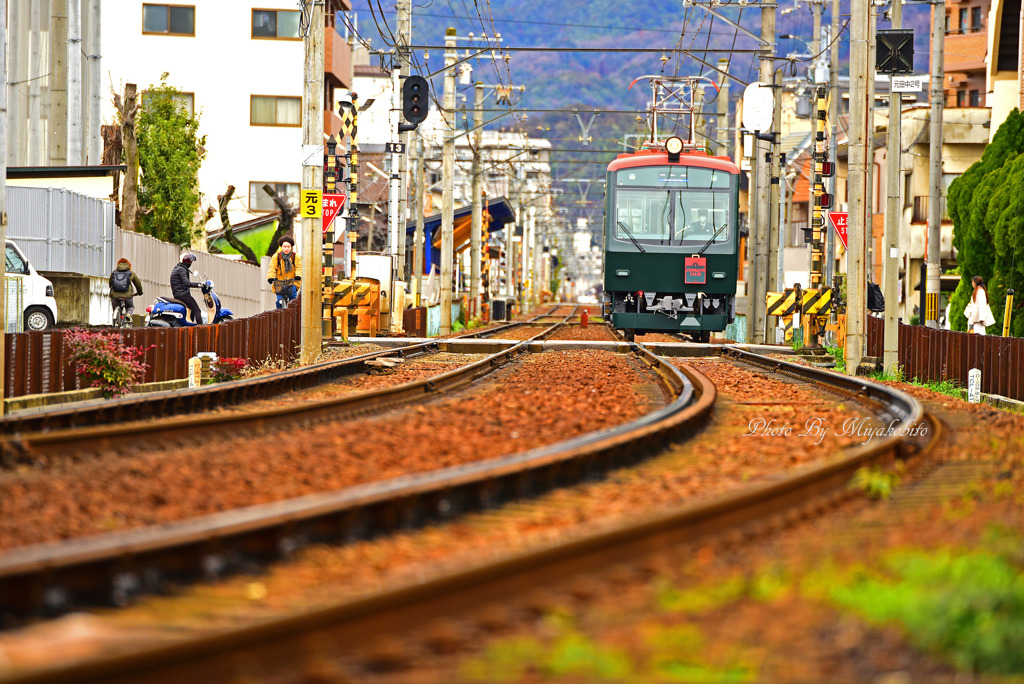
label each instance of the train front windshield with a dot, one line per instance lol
(680, 206)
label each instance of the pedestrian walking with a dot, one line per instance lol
(285, 271)
(979, 315)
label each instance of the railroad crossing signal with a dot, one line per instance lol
(895, 52)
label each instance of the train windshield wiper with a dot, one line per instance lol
(708, 243)
(630, 236)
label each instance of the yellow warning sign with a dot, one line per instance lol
(310, 203)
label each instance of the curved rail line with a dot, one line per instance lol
(344, 630)
(113, 568)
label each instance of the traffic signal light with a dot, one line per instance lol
(823, 200)
(415, 99)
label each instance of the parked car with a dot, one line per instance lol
(39, 308)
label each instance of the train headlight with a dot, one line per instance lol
(674, 146)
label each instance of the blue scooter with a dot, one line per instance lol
(167, 312)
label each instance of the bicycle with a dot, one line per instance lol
(122, 319)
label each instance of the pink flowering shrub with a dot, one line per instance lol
(104, 361)
(228, 368)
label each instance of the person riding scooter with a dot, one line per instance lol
(181, 283)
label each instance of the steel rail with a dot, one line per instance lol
(345, 631)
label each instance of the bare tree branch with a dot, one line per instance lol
(286, 222)
(229, 233)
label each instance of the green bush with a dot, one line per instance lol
(104, 361)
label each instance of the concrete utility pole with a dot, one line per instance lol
(476, 230)
(312, 179)
(933, 280)
(395, 221)
(722, 122)
(94, 136)
(869, 239)
(417, 266)
(74, 48)
(404, 36)
(764, 171)
(58, 118)
(775, 171)
(893, 213)
(3, 190)
(833, 142)
(448, 184)
(14, 114)
(856, 277)
(36, 145)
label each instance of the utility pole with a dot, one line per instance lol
(722, 122)
(74, 66)
(58, 118)
(14, 119)
(856, 283)
(417, 266)
(775, 171)
(312, 179)
(476, 229)
(36, 144)
(833, 141)
(893, 205)
(933, 282)
(764, 170)
(95, 85)
(3, 190)
(394, 195)
(405, 137)
(448, 184)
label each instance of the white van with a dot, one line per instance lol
(38, 304)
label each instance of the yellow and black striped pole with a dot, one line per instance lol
(1007, 312)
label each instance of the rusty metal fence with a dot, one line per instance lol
(37, 362)
(929, 354)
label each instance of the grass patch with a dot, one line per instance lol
(967, 607)
(838, 353)
(876, 482)
(949, 387)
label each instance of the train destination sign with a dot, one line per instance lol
(695, 270)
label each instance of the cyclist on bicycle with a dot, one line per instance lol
(285, 271)
(122, 283)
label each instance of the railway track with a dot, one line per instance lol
(344, 631)
(113, 568)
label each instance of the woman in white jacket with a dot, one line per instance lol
(979, 315)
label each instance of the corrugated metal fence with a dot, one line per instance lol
(36, 362)
(61, 230)
(241, 287)
(929, 354)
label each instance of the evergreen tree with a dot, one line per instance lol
(987, 208)
(170, 153)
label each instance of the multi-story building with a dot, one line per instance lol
(966, 46)
(238, 66)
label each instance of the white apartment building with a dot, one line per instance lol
(238, 63)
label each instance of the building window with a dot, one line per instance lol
(975, 18)
(170, 20)
(975, 98)
(186, 100)
(920, 214)
(259, 200)
(275, 24)
(961, 98)
(962, 28)
(272, 110)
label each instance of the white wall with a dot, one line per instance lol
(222, 65)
